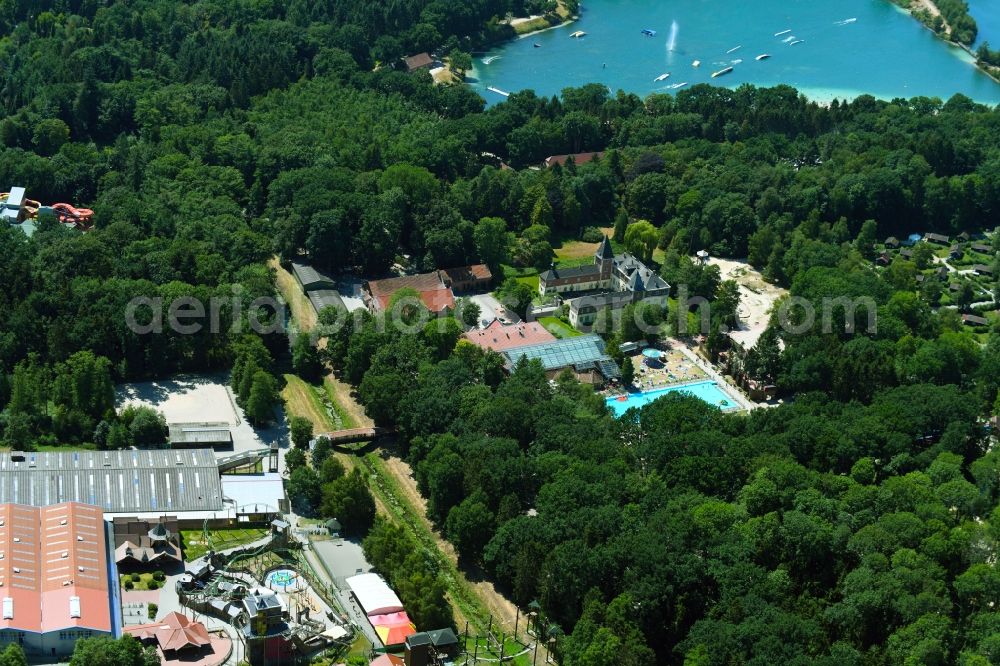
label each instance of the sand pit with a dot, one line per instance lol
(757, 297)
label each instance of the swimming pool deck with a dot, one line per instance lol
(708, 373)
(707, 390)
(745, 403)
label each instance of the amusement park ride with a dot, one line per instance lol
(16, 208)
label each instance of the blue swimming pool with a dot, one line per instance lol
(709, 391)
(650, 352)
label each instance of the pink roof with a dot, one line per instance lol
(54, 568)
(387, 660)
(173, 632)
(393, 628)
(498, 337)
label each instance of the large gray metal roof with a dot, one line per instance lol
(322, 298)
(117, 481)
(310, 278)
(200, 433)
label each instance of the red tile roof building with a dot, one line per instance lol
(418, 61)
(174, 632)
(54, 576)
(498, 337)
(578, 158)
(433, 291)
(468, 278)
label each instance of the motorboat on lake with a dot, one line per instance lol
(578, 34)
(783, 32)
(763, 56)
(648, 32)
(721, 72)
(662, 77)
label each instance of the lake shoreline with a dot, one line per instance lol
(992, 72)
(566, 21)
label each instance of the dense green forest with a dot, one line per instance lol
(854, 524)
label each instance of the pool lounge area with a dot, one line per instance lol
(708, 390)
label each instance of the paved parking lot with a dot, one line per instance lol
(491, 309)
(203, 399)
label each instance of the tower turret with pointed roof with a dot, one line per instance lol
(605, 258)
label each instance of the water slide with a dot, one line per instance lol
(70, 214)
(31, 206)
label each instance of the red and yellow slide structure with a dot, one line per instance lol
(68, 214)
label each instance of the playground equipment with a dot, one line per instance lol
(67, 214)
(284, 580)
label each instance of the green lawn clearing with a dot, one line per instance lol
(140, 582)
(489, 650)
(337, 409)
(575, 250)
(530, 280)
(222, 539)
(559, 328)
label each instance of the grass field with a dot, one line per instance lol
(303, 400)
(346, 421)
(488, 650)
(140, 585)
(541, 23)
(513, 271)
(575, 250)
(559, 328)
(319, 404)
(222, 539)
(530, 280)
(535, 24)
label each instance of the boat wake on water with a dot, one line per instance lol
(845, 21)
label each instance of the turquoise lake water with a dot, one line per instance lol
(708, 391)
(987, 15)
(884, 52)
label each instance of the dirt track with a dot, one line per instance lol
(302, 311)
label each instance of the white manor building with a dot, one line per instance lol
(612, 282)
